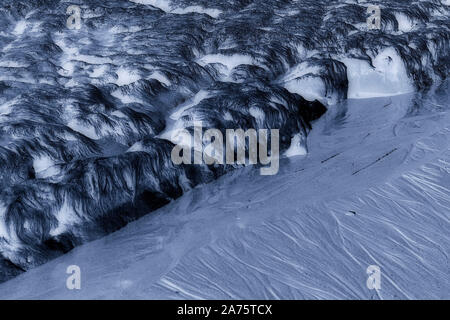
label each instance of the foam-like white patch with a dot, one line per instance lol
(92, 59)
(227, 63)
(214, 13)
(71, 83)
(12, 64)
(88, 131)
(388, 78)
(126, 77)
(98, 71)
(166, 6)
(227, 116)
(136, 147)
(67, 68)
(3, 228)
(304, 80)
(301, 70)
(49, 172)
(297, 147)
(69, 51)
(230, 62)
(18, 78)
(71, 55)
(119, 114)
(5, 108)
(66, 216)
(42, 162)
(161, 4)
(160, 77)
(309, 87)
(404, 23)
(258, 114)
(20, 27)
(125, 98)
(202, 94)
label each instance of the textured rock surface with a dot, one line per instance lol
(81, 110)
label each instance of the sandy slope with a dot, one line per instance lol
(374, 189)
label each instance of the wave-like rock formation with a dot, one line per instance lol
(83, 111)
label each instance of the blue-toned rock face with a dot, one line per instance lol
(90, 89)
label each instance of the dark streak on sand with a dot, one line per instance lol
(379, 159)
